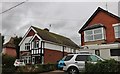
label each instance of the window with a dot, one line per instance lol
(68, 57)
(97, 52)
(93, 58)
(36, 44)
(115, 52)
(94, 34)
(117, 31)
(81, 58)
(27, 46)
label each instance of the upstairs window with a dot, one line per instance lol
(36, 44)
(117, 31)
(27, 46)
(94, 34)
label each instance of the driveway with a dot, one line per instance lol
(55, 72)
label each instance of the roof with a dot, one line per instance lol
(95, 13)
(52, 37)
(94, 26)
(10, 44)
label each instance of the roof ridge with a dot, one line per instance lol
(50, 32)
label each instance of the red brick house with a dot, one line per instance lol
(9, 48)
(41, 46)
(101, 34)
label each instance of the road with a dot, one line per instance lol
(55, 72)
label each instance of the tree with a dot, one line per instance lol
(17, 40)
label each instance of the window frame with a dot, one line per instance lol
(93, 34)
(118, 31)
(80, 57)
(35, 44)
(27, 46)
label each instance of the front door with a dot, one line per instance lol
(33, 60)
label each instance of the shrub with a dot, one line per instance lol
(103, 66)
(38, 68)
(7, 64)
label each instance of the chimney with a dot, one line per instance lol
(46, 29)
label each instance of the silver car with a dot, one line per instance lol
(74, 63)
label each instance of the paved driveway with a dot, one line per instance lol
(55, 72)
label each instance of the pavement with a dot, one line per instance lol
(55, 72)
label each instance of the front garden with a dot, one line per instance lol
(8, 67)
(101, 66)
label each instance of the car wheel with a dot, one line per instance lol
(73, 70)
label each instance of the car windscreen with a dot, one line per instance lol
(67, 58)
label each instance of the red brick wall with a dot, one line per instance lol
(31, 33)
(10, 52)
(52, 56)
(107, 21)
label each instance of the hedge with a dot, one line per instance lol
(9, 68)
(103, 66)
(8, 64)
(38, 68)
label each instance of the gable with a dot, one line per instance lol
(31, 33)
(101, 16)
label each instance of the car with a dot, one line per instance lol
(75, 63)
(19, 62)
(61, 63)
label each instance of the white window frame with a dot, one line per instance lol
(35, 46)
(116, 31)
(93, 34)
(27, 45)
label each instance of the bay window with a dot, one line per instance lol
(117, 31)
(94, 34)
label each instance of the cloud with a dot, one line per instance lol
(66, 18)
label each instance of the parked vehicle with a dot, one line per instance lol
(61, 63)
(19, 62)
(74, 63)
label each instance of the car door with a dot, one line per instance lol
(80, 61)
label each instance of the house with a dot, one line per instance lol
(41, 46)
(9, 48)
(101, 34)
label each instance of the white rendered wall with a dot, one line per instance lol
(22, 47)
(53, 47)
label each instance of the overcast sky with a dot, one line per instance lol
(66, 18)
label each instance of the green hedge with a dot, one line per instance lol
(103, 66)
(38, 68)
(8, 64)
(9, 68)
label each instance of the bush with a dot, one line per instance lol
(8, 61)
(7, 64)
(103, 66)
(38, 68)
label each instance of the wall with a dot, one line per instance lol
(58, 47)
(107, 21)
(27, 39)
(53, 47)
(105, 53)
(52, 56)
(10, 52)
